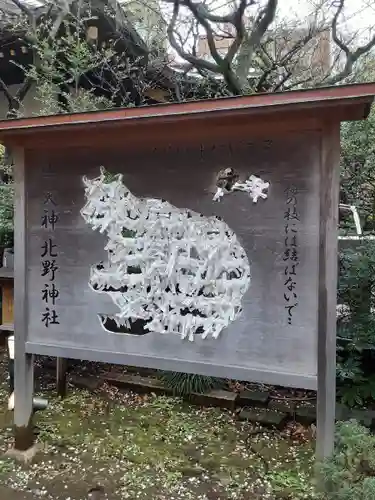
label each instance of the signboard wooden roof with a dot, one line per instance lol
(342, 103)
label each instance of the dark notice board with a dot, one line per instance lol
(273, 340)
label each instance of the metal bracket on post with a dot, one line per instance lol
(11, 363)
(38, 403)
(354, 211)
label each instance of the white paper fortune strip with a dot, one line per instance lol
(254, 186)
(176, 270)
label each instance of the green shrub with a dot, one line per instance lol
(290, 483)
(356, 332)
(356, 329)
(184, 384)
(358, 168)
(349, 473)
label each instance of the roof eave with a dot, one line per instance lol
(353, 102)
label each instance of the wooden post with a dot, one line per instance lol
(23, 366)
(61, 369)
(328, 243)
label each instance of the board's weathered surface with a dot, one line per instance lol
(266, 343)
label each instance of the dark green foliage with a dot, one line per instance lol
(357, 277)
(184, 384)
(356, 329)
(349, 473)
(6, 203)
(358, 168)
(6, 216)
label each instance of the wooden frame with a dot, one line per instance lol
(23, 366)
(328, 246)
(319, 110)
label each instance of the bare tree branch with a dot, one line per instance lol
(351, 57)
(251, 42)
(297, 83)
(204, 13)
(335, 37)
(7, 93)
(23, 8)
(223, 64)
(26, 11)
(283, 58)
(364, 49)
(195, 61)
(62, 13)
(238, 22)
(23, 90)
(282, 63)
(283, 80)
(14, 102)
(209, 32)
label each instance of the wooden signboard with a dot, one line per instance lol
(144, 239)
(73, 315)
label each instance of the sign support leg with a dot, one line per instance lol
(328, 236)
(23, 362)
(61, 371)
(23, 401)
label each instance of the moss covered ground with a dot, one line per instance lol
(151, 447)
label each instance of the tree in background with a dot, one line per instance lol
(6, 204)
(358, 168)
(358, 156)
(147, 18)
(82, 55)
(356, 326)
(219, 48)
(252, 48)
